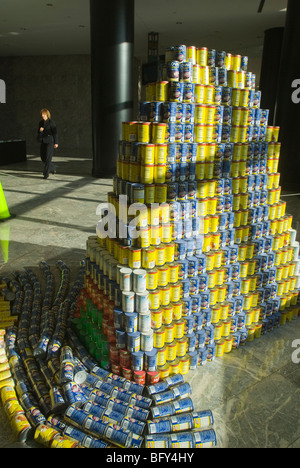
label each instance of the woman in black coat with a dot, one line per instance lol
(47, 136)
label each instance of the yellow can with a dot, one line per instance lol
(220, 345)
(171, 350)
(163, 275)
(200, 113)
(247, 301)
(182, 344)
(173, 272)
(164, 371)
(174, 366)
(169, 332)
(148, 258)
(166, 232)
(160, 173)
(135, 258)
(161, 91)
(211, 279)
(228, 344)
(224, 310)
(177, 310)
(155, 233)
(143, 132)
(167, 317)
(184, 364)
(201, 56)
(152, 279)
(199, 93)
(44, 434)
(147, 153)
(64, 442)
(213, 296)
(218, 331)
(161, 356)
(156, 318)
(147, 174)
(160, 255)
(221, 293)
(179, 328)
(165, 295)
(170, 254)
(159, 337)
(216, 312)
(150, 193)
(226, 328)
(154, 299)
(175, 292)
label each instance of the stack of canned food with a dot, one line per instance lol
(199, 255)
(62, 398)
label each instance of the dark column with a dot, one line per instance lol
(288, 108)
(112, 38)
(270, 69)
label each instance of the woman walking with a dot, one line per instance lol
(47, 136)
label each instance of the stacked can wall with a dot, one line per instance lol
(197, 254)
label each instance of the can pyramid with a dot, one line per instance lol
(198, 255)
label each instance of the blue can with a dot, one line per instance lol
(155, 111)
(226, 97)
(180, 53)
(179, 132)
(188, 92)
(186, 71)
(200, 339)
(144, 111)
(185, 288)
(192, 266)
(170, 132)
(75, 416)
(171, 150)
(194, 285)
(173, 70)
(203, 282)
(137, 360)
(223, 78)
(193, 355)
(205, 438)
(172, 191)
(205, 299)
(181, 112)
(190, 113)
(196, 303)
(188, 133)
(202, 356)
(150, 360)
(158, 427)
(202, 260)
(187, 306)
(220, 58)
(198, 321)
(169, 111)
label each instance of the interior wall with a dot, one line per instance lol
(60, 83)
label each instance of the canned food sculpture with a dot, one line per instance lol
(209, 245)
(199, 258)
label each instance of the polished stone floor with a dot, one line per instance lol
(254, 392)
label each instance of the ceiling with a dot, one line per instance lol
(52, 27)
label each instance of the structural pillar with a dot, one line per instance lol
(288, 101)
(270, 70)
(112, 42)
